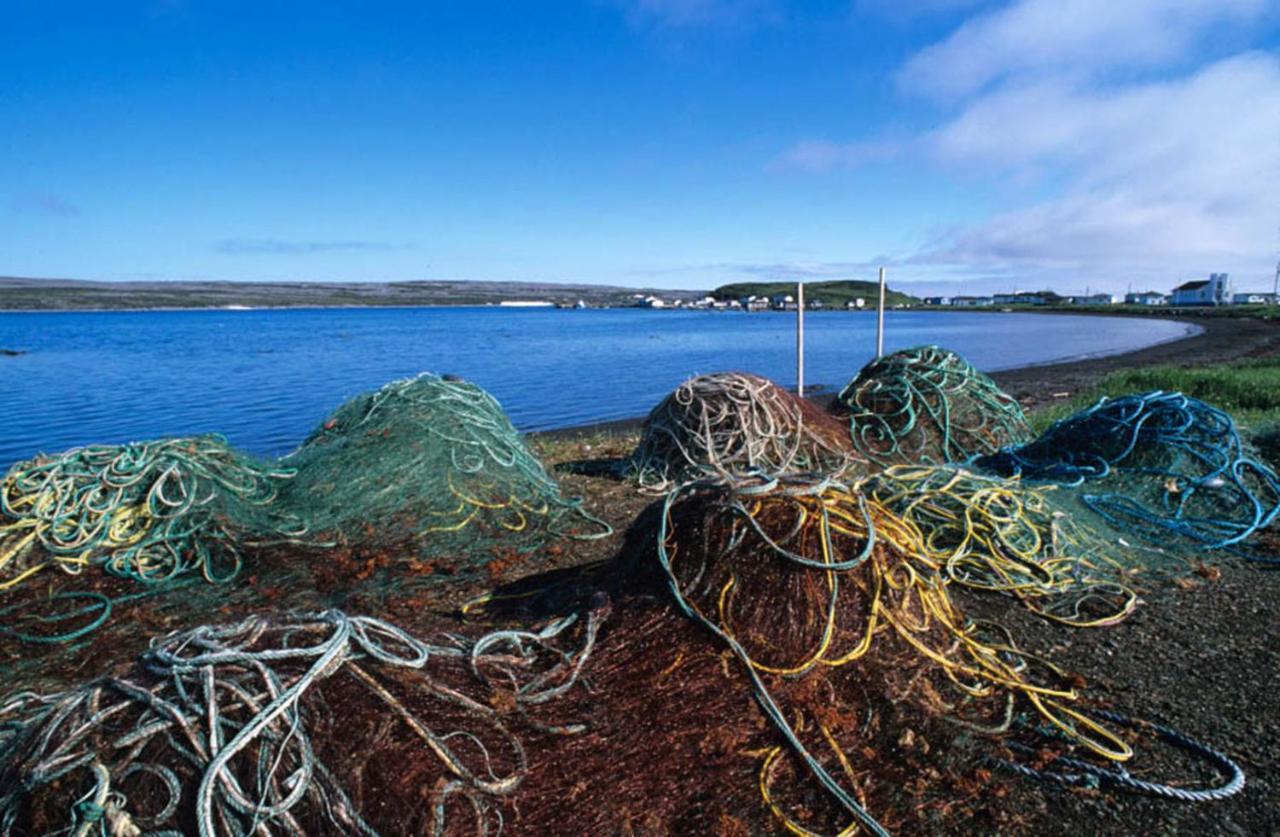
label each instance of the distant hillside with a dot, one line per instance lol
(831, 293)
(72, 294)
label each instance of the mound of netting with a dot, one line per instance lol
(733, 423)
(841, 623)
(147, 511)
(309, 724)
(1163, 466)
(988, 533)
(928, 405)
(432, 463)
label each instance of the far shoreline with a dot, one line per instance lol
(1216, 340)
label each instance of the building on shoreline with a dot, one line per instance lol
(1146, 298)
(1216, 290)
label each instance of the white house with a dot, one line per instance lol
(856, 304)
(1253, 299)
(1094, 299)
(971, 301)
(1216, 290)
(1146, 298)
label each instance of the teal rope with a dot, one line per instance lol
(1178, 464)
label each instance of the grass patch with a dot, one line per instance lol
(1249, 390)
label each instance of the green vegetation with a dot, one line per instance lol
(831, 294)
(1248, 389)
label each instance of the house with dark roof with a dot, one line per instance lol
(1216, 290)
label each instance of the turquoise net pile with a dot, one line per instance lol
(432, 465)
(423, 481)
(148, 511)
(1162, 465)
(928, 405)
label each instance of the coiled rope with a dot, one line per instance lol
(928, 405)
(225, 705)
(733, 423)
(147, 511)
(867, 562)
(1176, 465)
(1001, 535)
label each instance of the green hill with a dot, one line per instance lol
(833, 294)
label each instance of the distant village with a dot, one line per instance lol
(1216, 290)
(777, 302)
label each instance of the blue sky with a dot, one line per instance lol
(673, 143)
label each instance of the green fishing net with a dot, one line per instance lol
(432, 464)
(146, 511)
(928, 405)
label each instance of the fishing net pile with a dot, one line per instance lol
(733, 423)
(993, 534)
(433, 465)
(928, 405)
(832, 609)
(1162, 465)
(146, 511)
(307, 724)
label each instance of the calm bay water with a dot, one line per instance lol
(264, 378)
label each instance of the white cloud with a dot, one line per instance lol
(1079, 38)
(1170, 176)
(1159, 172)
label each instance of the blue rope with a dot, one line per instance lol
(1180, 465)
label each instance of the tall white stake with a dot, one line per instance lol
(800, 339)
(880, 319)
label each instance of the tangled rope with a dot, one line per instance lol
(1001, 535)
(1177, 465)
(928, 405)
(147, 511)
(430, 459)
(732, 423)
(219, 717)
(844, 571)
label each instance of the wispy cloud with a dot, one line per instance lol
(282, 247)
(1075, 38)
(44, 202)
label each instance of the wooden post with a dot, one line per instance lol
(880, 319)
(800, 339)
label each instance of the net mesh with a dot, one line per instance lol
(1161, 465)
(431, 464)
(928, 405)
(733, 423)
(147, 511)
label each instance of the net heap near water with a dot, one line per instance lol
(794, 601)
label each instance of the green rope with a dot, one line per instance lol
(928, 405)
